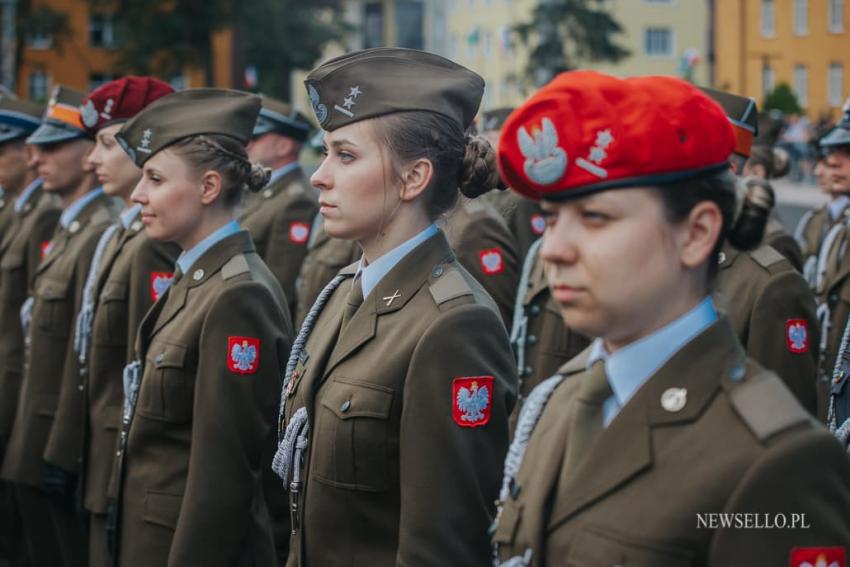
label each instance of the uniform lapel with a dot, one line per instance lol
(57, 246)
(391, 294)
(624, 450)
(537, 282)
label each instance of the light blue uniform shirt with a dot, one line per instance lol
(283, 170)
(27, 193)
(631, 366)
(75, 208)
(189, 257)
(371, 275)
(129, 215)
(837, 206)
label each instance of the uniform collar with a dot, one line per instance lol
(27, 194)
(372, 274)
(130, 214)
(74, 209)
(631, 366)
(283, 170)
(189, 257)
(837, 206)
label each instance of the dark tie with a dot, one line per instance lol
(355, 299)
(587, 421)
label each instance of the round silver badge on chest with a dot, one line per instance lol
(674, 399)
(267, 193)
(721, 258)
(75, 226)
(198, 275)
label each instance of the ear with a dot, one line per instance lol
(415, 179)
(285, 146)
(211, 187)
(700, 232)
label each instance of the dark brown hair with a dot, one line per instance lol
(461, 162)
(743, 226)
(228, 157)
(775, 161)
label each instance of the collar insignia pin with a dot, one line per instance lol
(391, 298)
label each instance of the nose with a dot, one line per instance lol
(559, 242)
(140, 193)
(37, 156)
(322, 178)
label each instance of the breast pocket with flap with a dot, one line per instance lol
(167, 390)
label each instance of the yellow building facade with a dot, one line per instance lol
(803, 43)
(659, 34)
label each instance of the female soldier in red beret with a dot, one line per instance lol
(631, 452)
(399, 385)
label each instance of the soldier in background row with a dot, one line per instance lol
(280, 216)
(29, 218)
(127, 275)
(45, 479)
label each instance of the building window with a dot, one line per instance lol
(658, 41)
(801, 17)
(835, 86)
(768, 18)
(658, 1)
(472, 41)
(373, 25)
(102, 31)
(767, 79)
(409, 23)
(39, 40)
(39, 82)
(487, 44)
(836, 16)
(801, 84)
(98, 79)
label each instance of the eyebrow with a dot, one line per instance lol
(343, 142)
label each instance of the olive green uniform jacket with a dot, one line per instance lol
(7, 214)
(778, 238)
(189, 483)
(484, 246)
(523, 216)
(326, 256)
(58, 290)
(740, 444)
(280, 218)
(768, 302)
(392, 477)
(812, 230)
(20, 253)
(546, 343)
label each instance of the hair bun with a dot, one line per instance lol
(781, 162)
(258, 178)
(478, 173)
(748, 226)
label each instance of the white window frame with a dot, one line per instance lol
(42, 94)
(39, 41)
(835, 84)
(768, 80)
(801, 84)
(768, 18)
(835, 16)
(800, 17)
(671, 41)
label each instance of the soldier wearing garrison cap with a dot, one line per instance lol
(198, 414)
(124, 278)
(370, 459)
(45, 489)
(19, 196)
(613, 455)
(761, 290)
(280, 217)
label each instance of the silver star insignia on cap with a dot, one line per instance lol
(198, 275)
(674, 399)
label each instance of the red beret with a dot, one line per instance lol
(120, 100)
(585, 132)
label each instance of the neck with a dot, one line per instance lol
(282, 162)
(674, 308)
(407, 223)
(212, 221)
(87, 184)
(16, 189)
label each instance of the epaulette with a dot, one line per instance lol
(474, 205)
(449, 285)
(766, 406)
(766, 256)
(235, 266)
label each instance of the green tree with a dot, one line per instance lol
(782, 98)
(564, 33)
(38, 21)
(163, 37)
